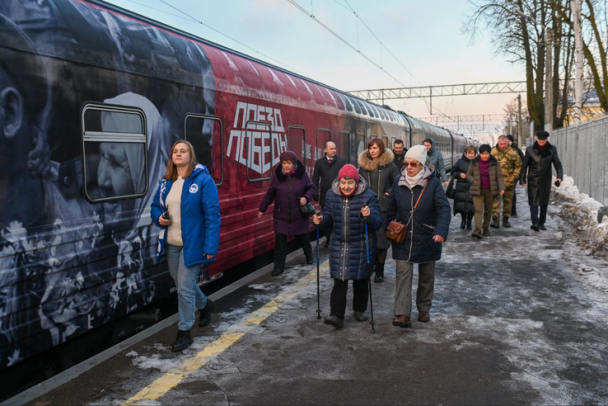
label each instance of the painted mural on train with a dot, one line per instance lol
(68, 264)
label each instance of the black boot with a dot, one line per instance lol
(463, 223)
(183, 341)
(379, 278)
(469, 223)
(204, 317)
(277, 271)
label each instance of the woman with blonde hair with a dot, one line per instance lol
(377, 168)
(187, 208)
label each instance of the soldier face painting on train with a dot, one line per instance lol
(67, 265)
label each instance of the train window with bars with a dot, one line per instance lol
(202, 131)
(114, 145)
(259, 150)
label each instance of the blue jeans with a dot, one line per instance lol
(189, 295)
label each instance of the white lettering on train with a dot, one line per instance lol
(257, 146)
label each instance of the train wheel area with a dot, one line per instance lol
(514, 320)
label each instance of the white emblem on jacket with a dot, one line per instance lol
(193, 188)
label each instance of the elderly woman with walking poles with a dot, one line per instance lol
(290, 188)
(417, 200)
(350, 206)
(187, 208)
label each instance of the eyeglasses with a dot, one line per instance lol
(412, 164)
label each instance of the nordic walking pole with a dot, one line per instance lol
(317, 212)
(369, 279)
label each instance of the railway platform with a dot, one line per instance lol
(517, 318)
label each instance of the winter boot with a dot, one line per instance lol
(495, 222)
(486, 232)
(204, 317)
(183, 341)
(277, 271)
(477, 234)
(379, 278)
(334, 321)
(534, 227)
(505, 222)
(469, 223)
(360, 316)
(463, 223)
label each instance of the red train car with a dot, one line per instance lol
(92, 97)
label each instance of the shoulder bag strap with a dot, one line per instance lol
(294, 192)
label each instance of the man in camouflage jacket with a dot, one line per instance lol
(510, 164)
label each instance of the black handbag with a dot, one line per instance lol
(307, 209)
(450, 191)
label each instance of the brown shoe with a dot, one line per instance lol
(423, 316)
(402, 321)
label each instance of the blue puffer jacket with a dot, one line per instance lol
(200, 211)
(432, 216)
(348, 257)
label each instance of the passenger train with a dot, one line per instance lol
(92, 97)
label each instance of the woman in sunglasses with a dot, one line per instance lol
(417, 200)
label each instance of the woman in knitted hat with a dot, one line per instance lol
(487, 182)
(377, 168)
(418, 201)
(290, 188)
(348, 258)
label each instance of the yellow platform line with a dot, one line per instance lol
(170, 380)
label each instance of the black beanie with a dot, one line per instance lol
(485, 148)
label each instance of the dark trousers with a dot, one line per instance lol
(514, 204)
(280, 248)
(338, 297)
(534, 214)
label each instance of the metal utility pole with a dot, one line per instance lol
(510, 120)
(520, 127)
(548, 80)
(578, 41)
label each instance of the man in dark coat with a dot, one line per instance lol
(536, 172)
(290, 188)
(399, 151)
(327, 169)
(513, 145)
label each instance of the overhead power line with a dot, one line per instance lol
(218, 31)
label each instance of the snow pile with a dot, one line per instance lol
(580, 211)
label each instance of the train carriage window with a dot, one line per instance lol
(324, 135)
(361, 144)
(260, 150)
(386, 143)
(296, 141)
(202, 131)
(114, 150)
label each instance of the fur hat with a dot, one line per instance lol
(417, 152)
(349, 171)
(289, 156)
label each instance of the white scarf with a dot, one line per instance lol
(415, 180)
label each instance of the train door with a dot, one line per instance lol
(203, 132)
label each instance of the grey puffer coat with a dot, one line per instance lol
(431, 217)
(348, 256)
(287, 215)
(379, 175)
(536, 172)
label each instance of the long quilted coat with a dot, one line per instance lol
(463, 202)
(431, 217)
(287, 215)
(348, 257)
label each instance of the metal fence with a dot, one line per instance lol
(583, 151)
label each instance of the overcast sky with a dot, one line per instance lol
(425, 35)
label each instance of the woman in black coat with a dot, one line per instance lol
(418, 201)
(536, 172)
(377, 168)
(463, 202)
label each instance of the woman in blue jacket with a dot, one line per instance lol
(345, 213)
(417, 200)
(187, 208)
